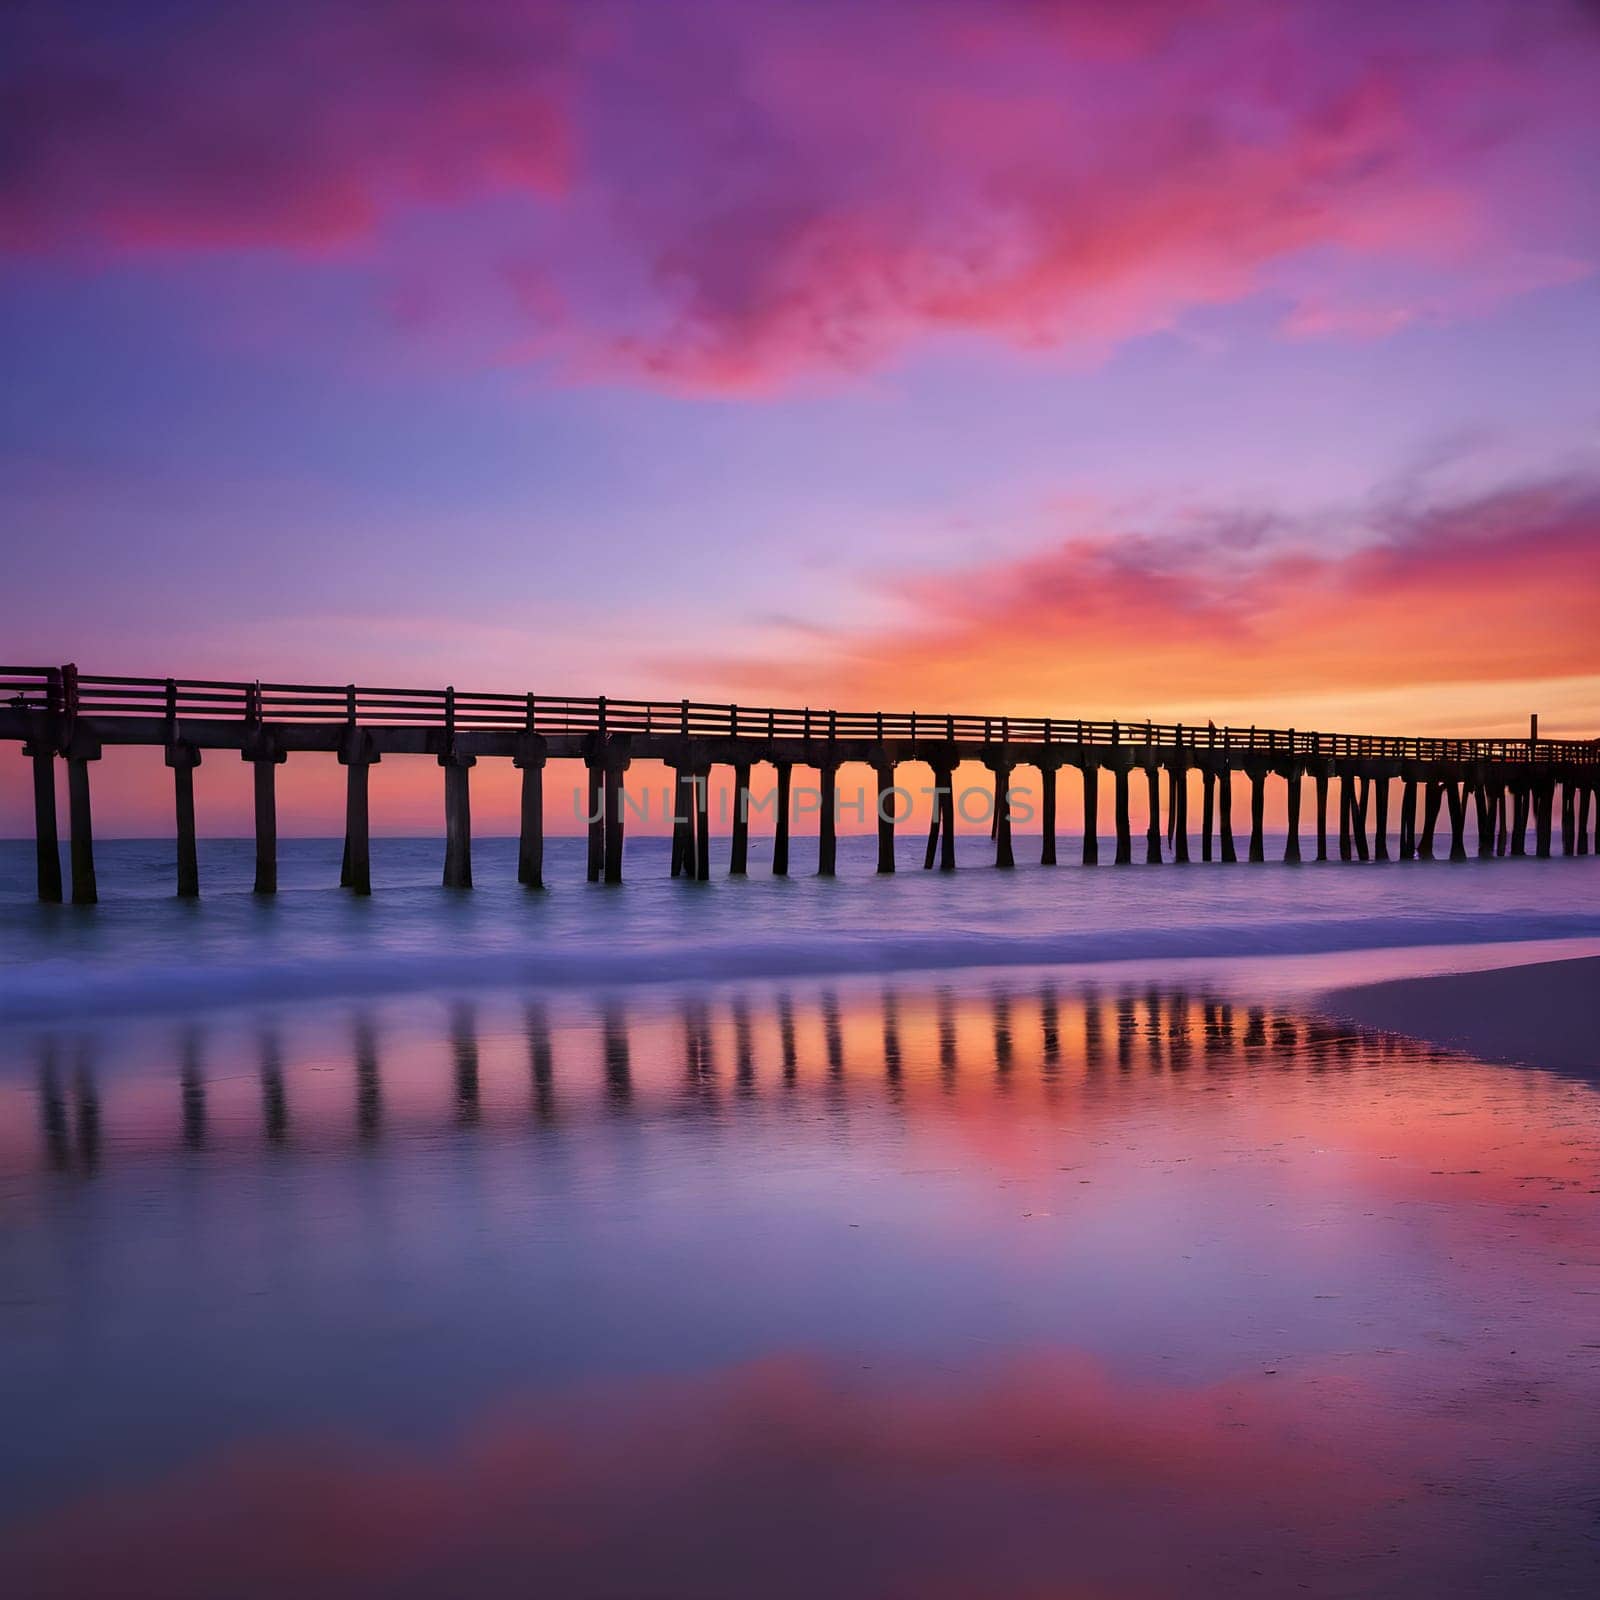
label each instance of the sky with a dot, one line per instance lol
(1124, 358)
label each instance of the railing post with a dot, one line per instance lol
(69, 701)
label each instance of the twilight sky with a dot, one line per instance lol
(1129, 357)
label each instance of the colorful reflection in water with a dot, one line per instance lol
(1018, 1288)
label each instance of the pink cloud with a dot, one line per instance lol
(1114, 617)
(300, 128)
(726, 197)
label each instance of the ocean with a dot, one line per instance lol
(1002, 1234)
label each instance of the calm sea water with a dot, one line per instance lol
(141, 949)
(783, 1238)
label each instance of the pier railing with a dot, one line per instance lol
(67, 692)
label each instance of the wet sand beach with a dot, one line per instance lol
(1544, 1014)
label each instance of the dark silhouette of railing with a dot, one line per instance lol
(70, 693)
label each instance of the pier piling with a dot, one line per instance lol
(702, 825)
(594, 817)
(828, 822)
(1178, 812)
(780, 829)
(529, 760)
(739, 846)
(1152, 837)
(46, 836)
(1047, 796)
(183, 759)
(1124, 826)
(1003, 855)
(1291, 844)
(1091, 814)
(355, 872)
(884, 776)
(1432, 799)
(1225, 815)
(457, 821)
(79, 821)
(614, 819)
(1458, 820)
(264, 762)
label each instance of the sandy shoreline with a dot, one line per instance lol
(1544, 1014)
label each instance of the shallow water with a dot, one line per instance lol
(783, 1236)
(140, 949)
(1008, 1284)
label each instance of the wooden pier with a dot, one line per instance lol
(1507, 785)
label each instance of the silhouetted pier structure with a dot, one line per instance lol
(1506, 785)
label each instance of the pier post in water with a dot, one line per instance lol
(615, 765)
(1003, 855)
(1291, 844)
(80, 752)
(1483, 808)
(1408, 819)
(1543, 804)
(1091, 814)
(739, 849)
(1258, 805)
(1458, 820)
(1583, 822)
(1322, 813)
(1569, 818)
(1225, 813)
(1380, 823)
(828, 821)
(883, 774)
(530, 760)
(780, 826)
(682, 822)
(457, 820)
(1358, 815)
(944, 802)
(1152, 836)
(183, 758)
(46, 837)
(1519, 818)
(1208, 809)
(1347, 807)
(1433, 797)
(358, 758)
(702, 825)
(1124, 826)
(1178, 809)
(1047, 782)
(595, 815)
(265, 758)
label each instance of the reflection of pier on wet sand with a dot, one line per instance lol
(702, 1056)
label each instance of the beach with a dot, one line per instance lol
(426, 1242)
(1544, 1014)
